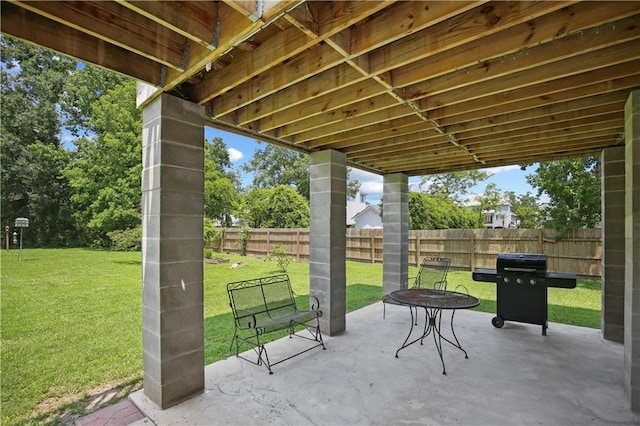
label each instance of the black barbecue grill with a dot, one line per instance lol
(521, 293)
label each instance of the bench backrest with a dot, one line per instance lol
(265, 298)
(433, 273)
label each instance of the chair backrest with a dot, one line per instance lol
(433, 273)
(261, 298)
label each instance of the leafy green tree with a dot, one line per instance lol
(452, 185)
(253, 210)
(33, 81)
(431, 212)
(286, 209)
(526, 209)
(274, 165)
(105, 174)
(221, 187)
(491, 199)
(82, 89)
(573, 188)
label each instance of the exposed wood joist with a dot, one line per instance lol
(408, 87)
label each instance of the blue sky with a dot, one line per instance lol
(241, 149)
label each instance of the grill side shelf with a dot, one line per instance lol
(484, 275)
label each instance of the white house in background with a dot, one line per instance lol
(502, 217)
(362, 215)
(368, 218)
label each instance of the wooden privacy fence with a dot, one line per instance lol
(580, 251)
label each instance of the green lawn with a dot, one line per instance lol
(71, 321)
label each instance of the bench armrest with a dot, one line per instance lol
(315, 306)
(245, 314)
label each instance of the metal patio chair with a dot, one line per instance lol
(432, 274)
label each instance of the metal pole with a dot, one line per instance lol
(20, 257)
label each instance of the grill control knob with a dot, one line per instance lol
(506, 280)
(532, 281)
(519, 280)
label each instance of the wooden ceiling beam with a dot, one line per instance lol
(571, 87)
(320, 84)
(116, 25)
(560, 102)
(333, 18)
(320, 105)
(475, 23)
(195, 20)
(468, 133)
(542, 134)
(376, 117)
(529, 34)
(415, 145)
(535, 146)
(365, 37)
(375, 133)
(357, 109)
(578, 53)
(26, 25)
(318, 58)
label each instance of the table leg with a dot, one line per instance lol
(429, 325)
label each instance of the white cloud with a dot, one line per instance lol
(235, 155)
(494, 170)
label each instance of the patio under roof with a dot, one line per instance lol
(396, 88)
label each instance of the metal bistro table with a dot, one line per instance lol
(433, 302)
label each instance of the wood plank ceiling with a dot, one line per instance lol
(412, 87)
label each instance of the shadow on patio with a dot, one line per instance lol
(513, 375)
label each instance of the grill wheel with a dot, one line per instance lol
(497, 322)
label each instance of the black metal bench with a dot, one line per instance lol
(265, 305)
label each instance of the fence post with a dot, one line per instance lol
(268, 240)
(418, 244)
(472, 243)
(298, 245)
(372, 241)
(540, 240)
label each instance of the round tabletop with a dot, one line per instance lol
(430, 298)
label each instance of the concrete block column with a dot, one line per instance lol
(613, 258)
(395, 220)
(172, 246)
(632, 251)
(328, 239)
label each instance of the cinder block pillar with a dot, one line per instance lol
(327, 238)
(395, 220)
(632, 251)
(613, 259)
(172, 245)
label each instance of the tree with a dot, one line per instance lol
(254, 207)
(105, 174)
(81, 90)
(274, 165)
(526, 209)
(452, 185)
(33, 81)
(221, 187)
(573, 188)
(430, 212)
(491, 199)
(286, 209)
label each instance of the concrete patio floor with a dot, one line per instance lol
(514, 376)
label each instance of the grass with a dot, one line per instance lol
(71, 321)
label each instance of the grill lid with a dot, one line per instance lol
(521, 263)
